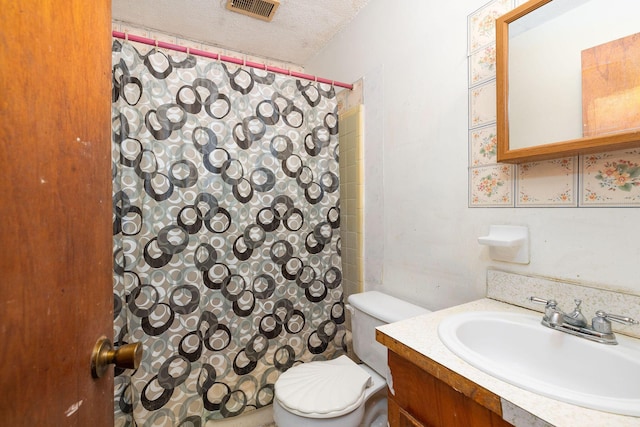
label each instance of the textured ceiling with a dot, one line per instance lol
(299, 29)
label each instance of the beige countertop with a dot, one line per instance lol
(420, 335)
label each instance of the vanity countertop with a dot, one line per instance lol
(417, 337)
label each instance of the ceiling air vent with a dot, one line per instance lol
(261, 9)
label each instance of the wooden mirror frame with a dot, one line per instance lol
(600, 143)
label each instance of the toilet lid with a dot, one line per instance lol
(322, 389)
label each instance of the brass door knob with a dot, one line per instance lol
(127, 356)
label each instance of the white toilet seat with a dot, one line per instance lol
(323, 389)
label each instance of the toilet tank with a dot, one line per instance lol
(372, 309)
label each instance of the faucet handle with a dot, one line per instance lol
(617, 318)
(552, 314)
(602, 321)
(548, 303)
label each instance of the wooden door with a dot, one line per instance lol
(55, 210)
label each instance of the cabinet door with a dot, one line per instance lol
(423, 400)
(398, 417)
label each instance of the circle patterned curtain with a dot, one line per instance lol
(226, 223)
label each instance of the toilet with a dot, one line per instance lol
(340, 392)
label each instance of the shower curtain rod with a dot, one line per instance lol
(231, 59)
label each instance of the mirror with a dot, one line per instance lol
(568, 78)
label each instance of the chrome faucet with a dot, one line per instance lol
(576, 318)
(575, 323)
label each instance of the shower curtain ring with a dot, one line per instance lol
(156, 40)
(126, 36)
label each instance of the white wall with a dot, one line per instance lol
(420, 236)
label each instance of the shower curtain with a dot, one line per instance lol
(226, 223)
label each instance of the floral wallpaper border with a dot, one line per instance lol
(595, 180)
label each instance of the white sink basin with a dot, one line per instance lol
(517, 349)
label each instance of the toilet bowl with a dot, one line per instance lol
(328, 393)
(340, 392)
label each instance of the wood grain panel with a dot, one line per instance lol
(473, 391)
(401, 418)
(611, 86)
(429, 401)
(55, 205)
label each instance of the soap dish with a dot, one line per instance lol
(509, 243)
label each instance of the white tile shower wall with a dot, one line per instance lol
(516, 289)
(351, 199)
(351, 114)
(607, 179)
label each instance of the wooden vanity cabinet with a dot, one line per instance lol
(434, 396)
